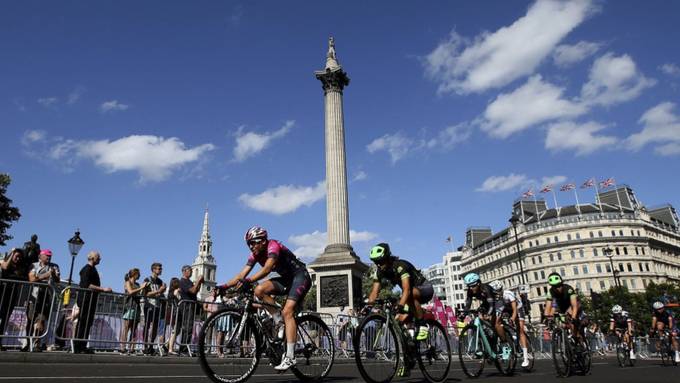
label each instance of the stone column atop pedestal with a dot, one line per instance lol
(338, 269)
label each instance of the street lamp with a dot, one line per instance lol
(608, 252)
(514, 220)
(74, 246)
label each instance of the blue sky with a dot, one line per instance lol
(125, 119)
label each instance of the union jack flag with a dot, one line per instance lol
(607, 183)
(567, 187)
(547, 188)
(588, 184)
(528, 193)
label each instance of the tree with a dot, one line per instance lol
(8, 213)
(309, 304)
(386, 288)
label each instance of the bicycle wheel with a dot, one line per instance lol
(621, 354)
(584, 358)
(471, 351)
(228, 351)
(434, 353)
(314, 348)
(561, 353)
(506, 355)
(631, 361)
(376, 349)
(665, 352)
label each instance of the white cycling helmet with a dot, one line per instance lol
(657, 305)
(496, 285)
(617, 309)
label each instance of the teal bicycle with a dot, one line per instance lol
(478, 343)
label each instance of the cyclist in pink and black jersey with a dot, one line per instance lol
(293, 281)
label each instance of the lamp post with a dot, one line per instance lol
(608, 252)
(74, 246)
(514, 220)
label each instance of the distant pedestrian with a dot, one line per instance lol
(46, 273)
(215, 302)
(13, 267)
(90, 287)
(131, 310)
(173, 318)
(188, 308)
(154, 306)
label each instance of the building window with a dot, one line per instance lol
(598, 267)
(638, 233)
(621, 267)
(533, 260)
(568, 237)
(589, 286)
(578, 286)
(585, 269)
(536, 276)
(608, 267)
(556, 239)
(547, 240)
(640, 267)
(643, 250)
(632, 233)
(578, 235)
(542, 274)
(602, 287)
(647, 266)
(538, 291)
(575, 270)
(632, 284)
(545, 289)
(581, 253)
(618, 252)
(629, 267)
(595, 252)
(592, 235)
(613, 233)
(562, 273)
(540, 259)
(573, 254)
(559, 256)
(552, 258)
(621, 233)
(625, 251)
(637, 251)
(599, 233)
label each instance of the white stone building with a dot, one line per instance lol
(204, 264)
(447, 280)
(644, 244)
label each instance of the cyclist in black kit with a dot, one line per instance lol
(661, 320)
(621, 323)
(564, 299)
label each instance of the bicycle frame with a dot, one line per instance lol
(485, 341)
(389, 322)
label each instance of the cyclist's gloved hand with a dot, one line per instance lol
(366, 310)
(244, 284)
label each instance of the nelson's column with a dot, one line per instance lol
(338, 270)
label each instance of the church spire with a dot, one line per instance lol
(205, 234)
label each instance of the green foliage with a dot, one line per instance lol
(638, 305)
(8, 213)
(386, 289)
(309, 304)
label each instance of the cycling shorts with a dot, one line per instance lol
(426, 292)
(296, 287)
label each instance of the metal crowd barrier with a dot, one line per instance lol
(25, 312)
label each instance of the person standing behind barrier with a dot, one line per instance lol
(173, 318)
(13, 267)
(214, 304)
(132, 310)
(188, 292)
(153, 306)
(40, 301)
(87, 301)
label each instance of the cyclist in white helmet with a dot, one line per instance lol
(509, 305)
(621, 324)
(661, 320)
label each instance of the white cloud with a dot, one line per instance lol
(553, 180)
(566, 55)
(249, 144)
(112, 106)
(502, 183)
(614, 79)
(396, 145)
(75, 95)
(48, 101)
(311, 245)
(284, 199)
(661, 126)
(359, 176)
(450, 136)
(581, 138)
(493, 60)
(32, 136)
(670, 69)
(154, 158)
(533, 103)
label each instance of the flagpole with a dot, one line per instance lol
(557, 208)
(538, 216)
(578, 205)
(616, 189)
(597, 195)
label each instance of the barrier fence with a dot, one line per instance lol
(34, 314)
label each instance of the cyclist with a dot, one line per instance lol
(662, 319)
(564, 299)
(620, 323)
(510, 305)
(415, 289)
(480, 291)
(293, 280)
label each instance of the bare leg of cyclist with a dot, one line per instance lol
(524, 343)
(288, 312)
(499, 328)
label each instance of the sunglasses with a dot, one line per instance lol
(253, 242)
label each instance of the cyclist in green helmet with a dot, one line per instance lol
(563, 299)
(415, 289)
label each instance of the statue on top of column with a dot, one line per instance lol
(331, 48)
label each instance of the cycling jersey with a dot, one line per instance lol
(506, 302)
(621, 320)
(561, 300)
(486, 297)
(663, 317)
(286, 264)
(398, 271)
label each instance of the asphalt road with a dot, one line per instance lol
(604, 370)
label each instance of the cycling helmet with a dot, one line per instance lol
(471, 279)
(380, 252)
(617, 309)
(554, 279)
(256, 232)
(496, 286)
(658, 305)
